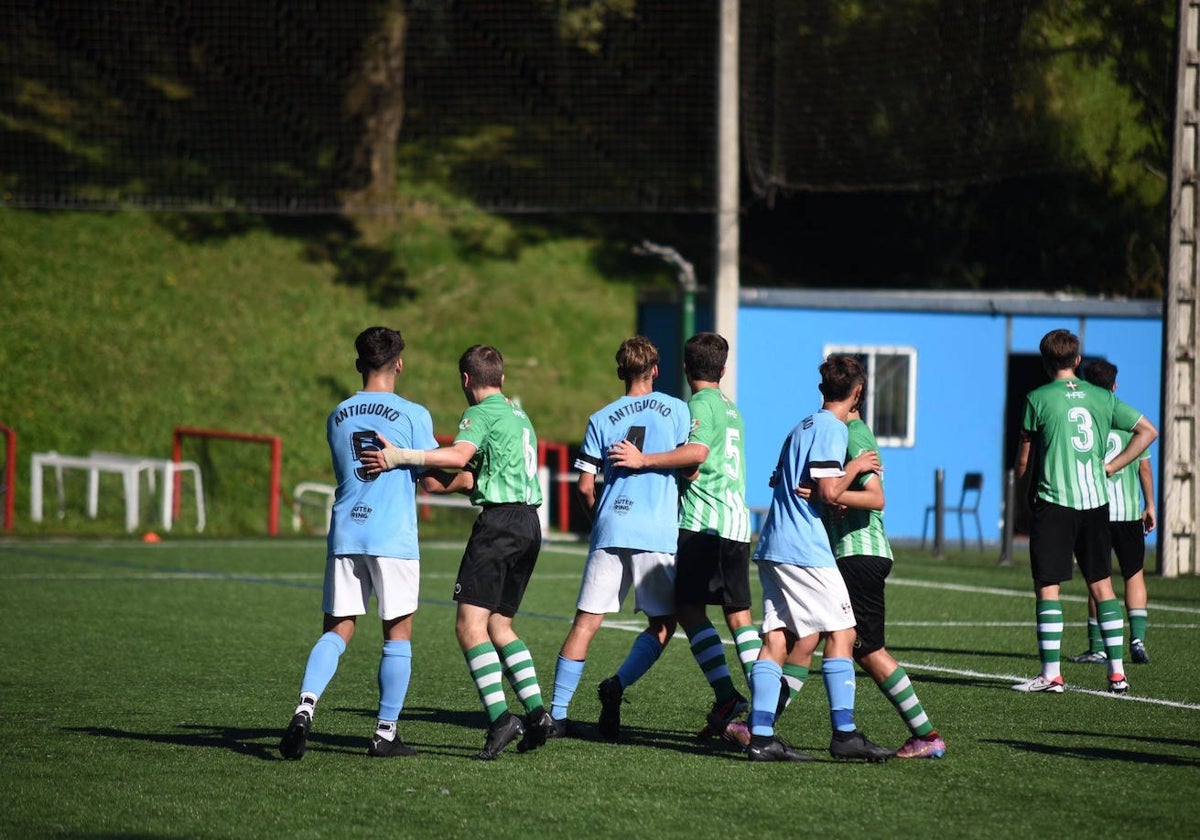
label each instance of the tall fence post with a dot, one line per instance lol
(1006, 540)
(939, 513)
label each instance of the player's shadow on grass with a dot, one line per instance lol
(261, 744)
(682, 742)
(422, 717)
(1098, 751)
(255, 743)
(675, 741)
(1173, 742)
(630, 736)
(966, 651)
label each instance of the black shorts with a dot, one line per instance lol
(712, 570)
(864, 576)
(1129, 544)
(499, 558)
(1059, 532)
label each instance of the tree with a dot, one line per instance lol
(375, 100)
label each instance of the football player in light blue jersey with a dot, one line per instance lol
(366, 520)
(794, 532)
(634, 533)
(629, 509)
(712, 561)
(804, 597)
(372, 543)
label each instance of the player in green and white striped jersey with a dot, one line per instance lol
(1128, 524)
(864, 557)
(496, 442)
(1068, 420)
(712, 563)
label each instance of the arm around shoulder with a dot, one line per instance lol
(688, 456)
(441, 482)
(869, 497)
(1144, 434)
(390, 457)
(830, 490)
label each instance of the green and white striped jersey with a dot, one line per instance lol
(506, 453)
(858, 532)
(715, 502)
(1124, 488)
(1067, 422)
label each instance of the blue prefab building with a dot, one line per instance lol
(948, 375)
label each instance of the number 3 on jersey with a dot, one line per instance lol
(1085, 438)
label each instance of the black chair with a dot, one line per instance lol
(972, 488)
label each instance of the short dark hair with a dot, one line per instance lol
(704, 356)
(1059, 349)
(484, 365)
(378, 348)
(1101, 372)
(636, 357)
(840, 373)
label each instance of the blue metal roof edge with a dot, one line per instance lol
(993, 303)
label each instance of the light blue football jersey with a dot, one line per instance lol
(375, 514)
(794, 533)
(636, 509)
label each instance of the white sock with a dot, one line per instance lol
(308, 702)
(386, 729)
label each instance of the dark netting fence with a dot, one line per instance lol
(306, 106)
(898, 94)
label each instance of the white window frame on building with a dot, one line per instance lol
(878, 359)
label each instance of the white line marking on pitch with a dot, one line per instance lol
(634, 627)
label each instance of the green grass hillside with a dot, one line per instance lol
(118, 327)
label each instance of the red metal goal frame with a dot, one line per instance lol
(10, 474)
(276, 444)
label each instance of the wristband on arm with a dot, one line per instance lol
(395, 457)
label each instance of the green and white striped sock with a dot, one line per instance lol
(1095, 643)
(899, 690)
(1049, 635)
(1112, 629)
(748, 643)
(793, 678)
(485, 668)
(709, 652)
(1138, 619)
(518, 668)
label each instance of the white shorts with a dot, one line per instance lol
(804, 599)
(609, 572)
(350, 580)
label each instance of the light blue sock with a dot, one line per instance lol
(322, 664)
(395, 670)
(838, 674)
(764, 696)
(641, 658)
(567, 674)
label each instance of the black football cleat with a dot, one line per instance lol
(295, 738)
(773, 748)
(849, 746)
(503, 731)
